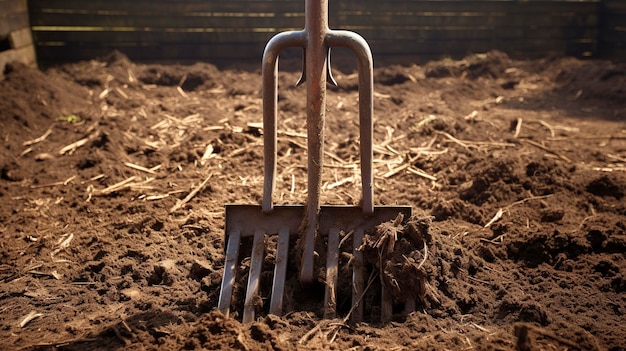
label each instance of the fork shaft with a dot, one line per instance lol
(316, 28)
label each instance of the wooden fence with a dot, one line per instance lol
(217, 30)
(612, 40)
(16, 42)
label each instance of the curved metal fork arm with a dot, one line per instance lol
(361, 49)
(269, 70)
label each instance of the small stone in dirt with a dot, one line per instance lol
(43, 157)
(132, 294)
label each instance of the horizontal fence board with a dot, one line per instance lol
(252, 51)
(146, 7)
(365, 7)
(615, 22)
(170, 21)
(236, 34)
(476, 19)
(403, 47)
(456, 47)
(165, 38)
(278, 20)
(474, 6)
(554, 34)
(615, 6)
(615, 37)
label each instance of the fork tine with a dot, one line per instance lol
(332, 261)
(280, 272)
(228, 280)
(256, 263)
(386, 304)
(357, 275)
(409, 305)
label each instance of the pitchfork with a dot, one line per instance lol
(311, 221)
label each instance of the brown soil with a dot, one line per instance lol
(93, 254)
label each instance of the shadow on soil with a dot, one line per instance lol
(143, 326)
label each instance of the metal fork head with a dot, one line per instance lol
(248, 221)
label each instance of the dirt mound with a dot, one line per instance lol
(33, 100)
(603, 80)
(489, 65)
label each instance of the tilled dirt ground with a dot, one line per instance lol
(114, 177)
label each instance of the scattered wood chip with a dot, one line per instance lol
(208, 154)
(182, 92)
(421, 173)
(121, 93)
(550, 128)
(401, 168)
(292, 134)
(75, 145)
(40, 139)
(193, 193)
(131, 76)
(156, 197)
(616, 157)
(98, 177)
(382, 96)
(472, 116)
(29, 317)
(26, 151)
(546, 149)
(500, 212)
(43, 156)
(495, 218)
(63, 244)
(118, 185)
(103, 94)
(454, 139)
(211, 128)
(518, 128)
(609, 169)
(341, 182)
(139, 168)
(65, 182)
